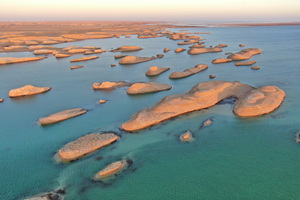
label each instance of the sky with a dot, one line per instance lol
(151, 10)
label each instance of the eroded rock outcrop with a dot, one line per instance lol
(154, 70)
(247, 63)
(128, 60)
(195, 51)
(186, 137)
(11, 60)
(188, 72)
(27, 90)
(221, 46)
(110, 85)
(84, 58)
(85, 145)
(147, 87)
(76, 67)
(244, 54)
(178, 50)
(255, 67)
(166, 49)
(221, 60)
(111, 169)
(61, 116)
(250, 102)
(127, 49)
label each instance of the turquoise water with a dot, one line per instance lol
(234, 158)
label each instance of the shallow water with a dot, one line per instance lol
(234, 158)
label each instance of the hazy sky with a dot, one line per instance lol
(191, 10)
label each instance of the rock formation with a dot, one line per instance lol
(76, 67)
(195, 51)
(166, 49)
(110, 85)
(127, 49)
(147, 87)
(119, 56)
(84, 58)
(85, 145)
(244, 54)
(111, 170)
(1, 100)
(255, 67)
(221, 60)
(245, 63)
(154, 70)
(250, 102)
(11, 60)
(186, 137)
(61, 116)
(179, 50)
(133, 60)
(221, 46)
(27, 90)
(241, 45)
(212, 76)
(188, 72)
(101, 101)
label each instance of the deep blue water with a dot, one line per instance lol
(234, 158)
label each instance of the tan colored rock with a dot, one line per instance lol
(110, 85)
(89, 52)
(166, 49)
(111, 170)
(221, 60)
(27, 90)
(43, 51)
(112, 65)
(255, 67)
(197, 46)
(133, 60)
(206, 123)
(119, 56)
(1, 100)
(147, 87)
(188, 72)
(62, 55)
(50, 42)
(99, 50)
(259, 101)
(76, 67)
(160, 55)
(11, 60)
(84, 58)
(205, 95)
(86, 36)
(73, 51)
(102, 101)
(187, 42)
(61, 116)
(221, 46)
(15, 48)
(179, 50)
(127, 49)
(195, 51)
(186, 137)
(127, 36)
(244, 54)
(212, 76)
(247, 63)
(154, 70)
(242, 45)
(85, 145)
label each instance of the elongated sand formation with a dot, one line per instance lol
(111, 85)
(84, 58)
(11, 60)
(27, 90)
(247, 63)
(154, 70)
(128, 60)
(244, 54)
(61, 116)
(111, 169)
(221, 60)
(195, 51)
(147, 87)
(77, 67)
(188, 72)
(127, 49)
(250, 102)
(85, 145)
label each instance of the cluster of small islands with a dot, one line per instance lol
(250, 101)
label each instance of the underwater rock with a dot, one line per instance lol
(61, 116)
(85, 145)
(154, 70)
(186, 137)
(147, 87)
(188, 72)
(244, 54)
(54, 195)
(27, 90)
(110, 85)
(206, 123)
